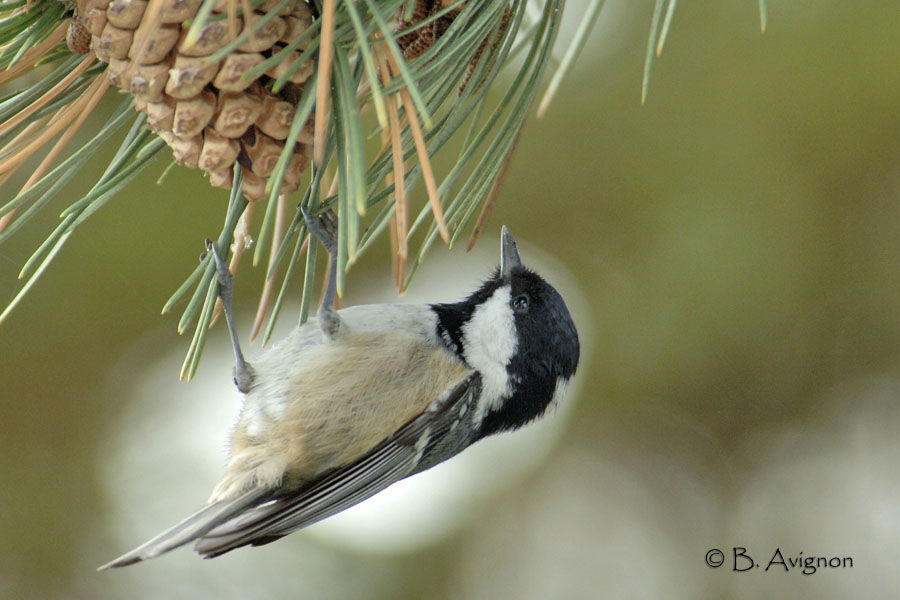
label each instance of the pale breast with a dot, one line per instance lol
(322, 403)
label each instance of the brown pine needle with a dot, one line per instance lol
(60, 120)
(26, 133)
(385, 143)
(265, 298)
(323, 82)
(231, 12)
(389, 181)
(427, 172)
(398, 262)
(401, 215)
(6, 219)
(248, 10)
(54, 152)
(395, 256)
(332, 189)
(146, 31)
(402, 260)
(399, 176)
(323, 181)
(61, 143)
(31, 56)
(47, 96)
(424, 160)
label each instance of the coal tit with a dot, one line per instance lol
(360, 398)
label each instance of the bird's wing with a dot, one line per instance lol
(392, 460)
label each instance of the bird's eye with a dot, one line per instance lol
(520, 303)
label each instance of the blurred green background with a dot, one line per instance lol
(733, 250)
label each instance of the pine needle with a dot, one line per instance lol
(399, 228)
(33, 279)
(147, 30)
(265, 298)
(488, 204)
(63, 118)
(49, 95)
(32, 55)
(231, 10)
(43, 190)
(248, 10)
(572, 51)
(399, 63)
(200, 19)
(323, 96)
(63, 140)
(366, 52)
(667, 22)
(399, 180)
(25, 133)
(651, 47)
(401, 216)
(424, 160)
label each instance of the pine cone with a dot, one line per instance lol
(210, 114)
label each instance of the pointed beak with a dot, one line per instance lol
(509, 253)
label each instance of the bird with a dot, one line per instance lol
(359, 398)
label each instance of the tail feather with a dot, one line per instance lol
(190, 529)
(245, 529)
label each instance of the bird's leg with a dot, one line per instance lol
(324, 227)
(243, 372)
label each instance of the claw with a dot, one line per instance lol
(324, 226)
(225, 276)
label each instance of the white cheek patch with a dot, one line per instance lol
(489, 342)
